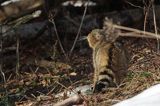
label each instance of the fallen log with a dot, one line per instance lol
(18, 8)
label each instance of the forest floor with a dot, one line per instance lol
(41, 78)
(43, 71)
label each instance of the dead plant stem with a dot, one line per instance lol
(59, 41)
(155, 25)
(79, 30)
(17, 53)
(1, 55)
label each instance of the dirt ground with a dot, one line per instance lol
(40, 79)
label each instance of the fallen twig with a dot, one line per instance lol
(70, 101)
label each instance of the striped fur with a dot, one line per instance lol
(104, 70)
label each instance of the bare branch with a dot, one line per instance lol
(133, 32)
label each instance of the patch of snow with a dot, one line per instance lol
(85, 89)
(149, 97)
(78, 3)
